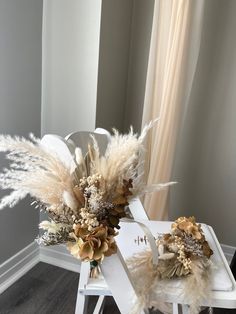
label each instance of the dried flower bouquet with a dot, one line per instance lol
(84, 200)
(183, 253)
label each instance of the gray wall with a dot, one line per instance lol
(20, 97)
(71, 31)
(205, 163)
(123, 57)
(115, 36)
(138, 62)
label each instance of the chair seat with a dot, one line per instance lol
(132, 240)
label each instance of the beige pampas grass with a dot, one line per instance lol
(123, 159)
(150, 288)
(33, 170)
(197, 286)
(148, 285)
(39, 172)
(88, 191)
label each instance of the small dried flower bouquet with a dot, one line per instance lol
(84, 200)
(183, 254)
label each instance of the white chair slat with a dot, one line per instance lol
(119, 281)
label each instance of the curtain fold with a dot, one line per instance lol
(174, 50)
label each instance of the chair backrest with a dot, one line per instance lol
(83, 138)
(58, 145)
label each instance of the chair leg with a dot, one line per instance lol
(99, 305)
(185, 309)
(81, 304)
(82, 300)
(175, 308)
(233, 265)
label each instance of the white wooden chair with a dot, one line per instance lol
(114, 268)
(119, 279)
(65, 148)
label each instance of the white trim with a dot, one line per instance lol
(228, 251)
(18, 265)
(59, 256)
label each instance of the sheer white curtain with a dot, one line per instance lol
(175, 45)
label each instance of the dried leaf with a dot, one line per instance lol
(86, 251)
(79, 195)
(120, 200)
(114, 221)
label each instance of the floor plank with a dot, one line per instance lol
(47, 289)
(44, 289)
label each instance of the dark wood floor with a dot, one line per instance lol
(47, 289)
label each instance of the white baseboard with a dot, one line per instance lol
(59, 256)
(18, 265)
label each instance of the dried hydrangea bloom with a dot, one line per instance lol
(207, 251)
(178, 249)
(189, 226)
(93, 245)
(193, 235)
